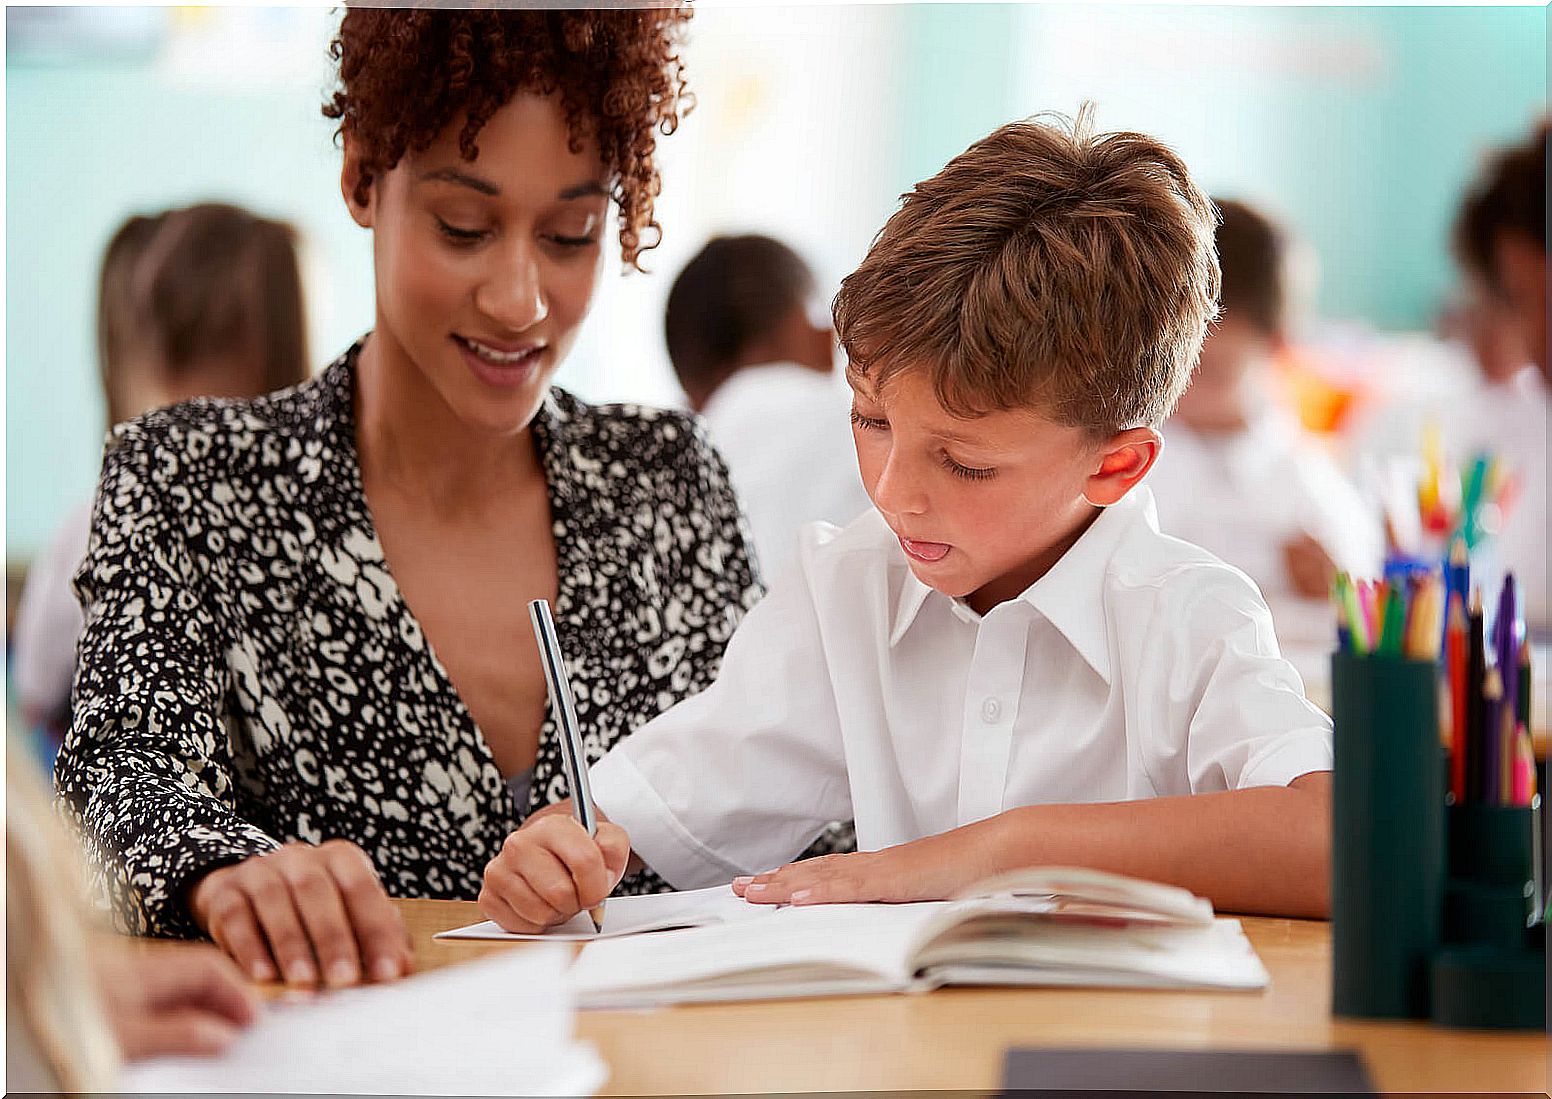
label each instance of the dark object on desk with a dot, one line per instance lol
(1127, 1072)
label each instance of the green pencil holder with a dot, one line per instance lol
(1387, 857)
(1490, 893)
(1491, 986)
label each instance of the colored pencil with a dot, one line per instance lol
(1455, 671)
(1492, 737)
(1476, 667)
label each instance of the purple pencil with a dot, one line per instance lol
(1506, 641)
(1492, 759)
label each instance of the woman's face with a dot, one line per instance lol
(485, 268)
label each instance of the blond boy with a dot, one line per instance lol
(1004, 664)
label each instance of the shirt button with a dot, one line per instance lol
(991, 710)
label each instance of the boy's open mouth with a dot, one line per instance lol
(925, 551)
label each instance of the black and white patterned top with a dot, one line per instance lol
(250, 675)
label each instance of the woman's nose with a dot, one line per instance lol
(513, 293)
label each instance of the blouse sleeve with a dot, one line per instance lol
(145, 771)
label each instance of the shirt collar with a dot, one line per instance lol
(1071, 596)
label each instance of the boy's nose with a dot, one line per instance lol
(897, 491)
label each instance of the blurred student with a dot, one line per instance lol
(1238, 475)
(1501, 242)
(761, 374)
(195, 302)
(79, 1000)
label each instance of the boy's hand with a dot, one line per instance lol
(910, 872)
(550, 869)
(1310, 568)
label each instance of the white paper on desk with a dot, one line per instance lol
(634, 915)
(499, 1026)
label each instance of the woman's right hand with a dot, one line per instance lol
(305, 915)
(550, 869)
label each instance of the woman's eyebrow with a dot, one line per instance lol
(455, 175)
(583, 190)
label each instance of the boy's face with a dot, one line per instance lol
(983, 507)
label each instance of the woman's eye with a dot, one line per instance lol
(460, 235)
(867, 422)
(573, 242)
(969, 473)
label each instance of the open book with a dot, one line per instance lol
(1048, 926)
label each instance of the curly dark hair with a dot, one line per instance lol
(406, 74)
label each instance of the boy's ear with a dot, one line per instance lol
(350, 175)
(1124, 459)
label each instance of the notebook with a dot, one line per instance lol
(633, 916)
(1050, 926)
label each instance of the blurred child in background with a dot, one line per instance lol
(202, 301)
(1238, 475)
(1501, 242)
(749, 355)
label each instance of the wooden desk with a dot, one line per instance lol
(956, 1038)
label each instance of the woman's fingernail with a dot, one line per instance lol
(262, 972)
(301, 973)
(342, 971)
(743, 881)
(802, 895)
(758, 887)
(385, 969)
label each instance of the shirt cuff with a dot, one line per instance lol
(1287, 759)
(627, 798)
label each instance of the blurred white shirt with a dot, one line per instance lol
(1243, 496)
(1138, 666)
(785, 433)
(1510, 420)
(49, 622)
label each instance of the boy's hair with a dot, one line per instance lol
(735, 292)
(1509, 196)
(186, 288)
(1045, 266)
(1253, 259)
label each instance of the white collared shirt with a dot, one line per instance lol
(1139, 666)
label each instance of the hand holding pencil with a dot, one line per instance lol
(555, 866)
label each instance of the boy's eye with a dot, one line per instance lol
(459, 235)
(969, 473)
(867, 422)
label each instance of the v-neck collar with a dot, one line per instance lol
(550, 427)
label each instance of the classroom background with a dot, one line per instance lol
(1357, 127)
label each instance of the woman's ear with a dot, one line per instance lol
(1124, 459)
(350, 176)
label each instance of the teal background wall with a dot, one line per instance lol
(1359, 125)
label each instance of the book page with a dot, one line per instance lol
(1030, 951)
(635, 915)
(833, 947)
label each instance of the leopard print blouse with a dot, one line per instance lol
(250, 675)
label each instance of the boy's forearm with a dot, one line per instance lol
(1263, 850)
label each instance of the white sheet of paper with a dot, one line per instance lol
(498, 1026)
(634, 915)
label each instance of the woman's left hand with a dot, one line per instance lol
(920, 871)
